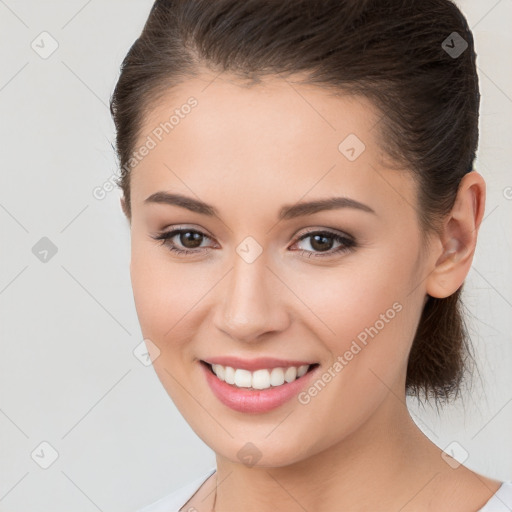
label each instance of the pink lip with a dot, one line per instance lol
(254, 401)
(259, 363)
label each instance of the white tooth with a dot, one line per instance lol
(290, 374)
(243, 378)
(261, 379)
(277, 377)
(229, 375)
(302, 370)
(219, 371)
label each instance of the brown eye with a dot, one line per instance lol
(189, 239)
(323, 241)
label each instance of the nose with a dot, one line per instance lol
(250, 304)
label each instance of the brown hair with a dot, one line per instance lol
(398, 53)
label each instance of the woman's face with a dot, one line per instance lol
(254, 286)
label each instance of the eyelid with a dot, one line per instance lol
(347, 241)
(177, 227)
(296, 236)
(332, 231)
(174, 230)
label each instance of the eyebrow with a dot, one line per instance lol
(285, 213)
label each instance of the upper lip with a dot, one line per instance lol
(258, 363)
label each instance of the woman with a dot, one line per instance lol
(298, 177)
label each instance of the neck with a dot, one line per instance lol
(374, 468)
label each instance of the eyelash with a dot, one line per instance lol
(348, 244)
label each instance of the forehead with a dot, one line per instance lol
(275, 109)
(273, 139)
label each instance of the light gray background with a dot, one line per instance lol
(68, 326)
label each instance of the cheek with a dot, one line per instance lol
(369, 358)
(147, 293)
(343, 301)
(155, 281)
(164, 298)
(364, 313)
(169, 296)
(160, 294)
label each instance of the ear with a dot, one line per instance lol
(458, 238)
(124, 207)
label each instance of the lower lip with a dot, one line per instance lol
(254, 401)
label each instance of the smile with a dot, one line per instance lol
(257, 391)
(259, 379)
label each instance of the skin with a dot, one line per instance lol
(248, 151)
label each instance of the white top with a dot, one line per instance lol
(501, 501)
(174, 501)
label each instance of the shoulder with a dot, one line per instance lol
(501, 500)
(174, 501)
